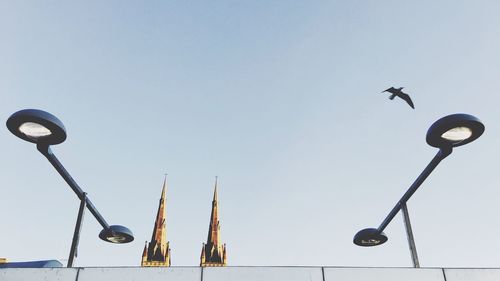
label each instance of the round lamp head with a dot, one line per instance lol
(36, 126)
(117, 234)
(454, 130)
(369, 237)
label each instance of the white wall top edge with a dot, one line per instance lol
(250, 273)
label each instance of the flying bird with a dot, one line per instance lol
(399, 93)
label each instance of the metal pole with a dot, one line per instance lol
(76, 234)
(47, 152)
(409, 234)
(442, 153)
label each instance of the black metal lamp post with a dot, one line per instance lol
(448, 132)
(44, 129)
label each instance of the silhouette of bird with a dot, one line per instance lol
(399, 93)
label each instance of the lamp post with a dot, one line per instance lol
(446, 133)
(44, 129)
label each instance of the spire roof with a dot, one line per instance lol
(164, 189)
(213, 252)
(213, 228)
(158, 250)
(215, 190)
(159, 230)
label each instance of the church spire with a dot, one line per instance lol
(215, 190)
(213, 252)
(157, 252)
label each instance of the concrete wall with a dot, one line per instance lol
(247, 274)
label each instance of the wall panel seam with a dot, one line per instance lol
(77, 273)
(444, 274)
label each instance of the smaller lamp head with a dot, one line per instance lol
(117, 234)
(454, 130)
(369, 237)
(37, 126)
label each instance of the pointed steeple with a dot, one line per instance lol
(213, 252)
(213, 228)
(158, 250)
(159, 230)
(216, 197)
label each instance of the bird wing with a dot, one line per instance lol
(407, 98)
(392, 90)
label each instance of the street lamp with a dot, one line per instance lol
(448, 132)
(44, 129)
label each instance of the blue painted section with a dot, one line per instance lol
(32, 264)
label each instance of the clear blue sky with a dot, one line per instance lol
(280, 99)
